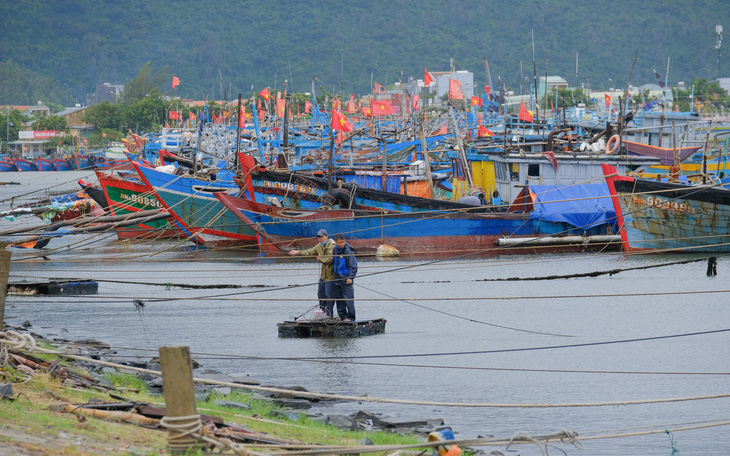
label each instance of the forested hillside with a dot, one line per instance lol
(59, 50)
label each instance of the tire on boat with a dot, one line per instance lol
(340, 197)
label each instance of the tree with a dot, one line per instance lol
(10, 123)
(146, 114)
(54, 123)
(105, 115)
(144, 83)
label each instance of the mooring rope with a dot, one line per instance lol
(32, 347)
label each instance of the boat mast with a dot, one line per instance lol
(464, 161)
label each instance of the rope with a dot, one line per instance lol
(494, 325)
(393, 401)
(192, 426)
(13, 341)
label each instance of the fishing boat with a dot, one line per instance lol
(25, 165)
(194, 208)
(82, 162)
(44, 164)
(61, 164)
(665, 154)
(425, 232)
(7, 165)
(669, 217)
(127, 195)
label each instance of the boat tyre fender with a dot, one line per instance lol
(612, 145)
(339, 196)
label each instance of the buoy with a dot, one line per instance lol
(442, 436)
(612, 144)
(385, 250)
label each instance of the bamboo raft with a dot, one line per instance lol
(328, 327)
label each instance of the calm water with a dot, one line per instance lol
(428, 308)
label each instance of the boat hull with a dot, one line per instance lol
(664, 154)
(666, 217)
(432, 233)
(44, 165)
(60, 164)
(196, 210)
(25, 165)
(7, 166)
(128, 197)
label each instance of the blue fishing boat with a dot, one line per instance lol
(44, 164)
(7, 165)
(61, 164)
(25, 165)
(82, 162)
(434, 232)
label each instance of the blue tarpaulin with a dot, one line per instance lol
(581, 205)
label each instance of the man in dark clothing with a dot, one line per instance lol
(345, 266)
(326, 289)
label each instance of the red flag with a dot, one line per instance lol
(378, 88)
(175, 81)
(524, 114)
(265, 94)
(483, 131)
(351, 109)
(427, 79)
(279, 107)
(476, 101)
(336, 104)
(442, 130)
(487, 89)
(381, 107)
(339, 121)
(551, 158)
(455, 90)
(173, 115)
(191, 116)
(339, 137)
(366, 111)
(608, 100)
(552, 106)
(416, 102)
(307, 106)
(262, 114)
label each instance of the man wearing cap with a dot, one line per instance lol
(326, 289)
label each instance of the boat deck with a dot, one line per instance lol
(329, 327)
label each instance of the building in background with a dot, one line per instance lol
(105, 92)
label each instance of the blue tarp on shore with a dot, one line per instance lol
(581, 205)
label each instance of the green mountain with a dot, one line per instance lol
(61, 49)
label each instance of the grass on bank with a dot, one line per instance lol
(30, 412)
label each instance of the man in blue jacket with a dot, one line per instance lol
(345, 272)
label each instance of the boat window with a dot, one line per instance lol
(533, 170)
(501, 171)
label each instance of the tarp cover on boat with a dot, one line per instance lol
(578, 204)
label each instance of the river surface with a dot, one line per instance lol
(451, 336)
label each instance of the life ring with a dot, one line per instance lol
(612, 144)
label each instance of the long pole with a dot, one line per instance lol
(239, 117)
(427, 161)
(464, 160)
